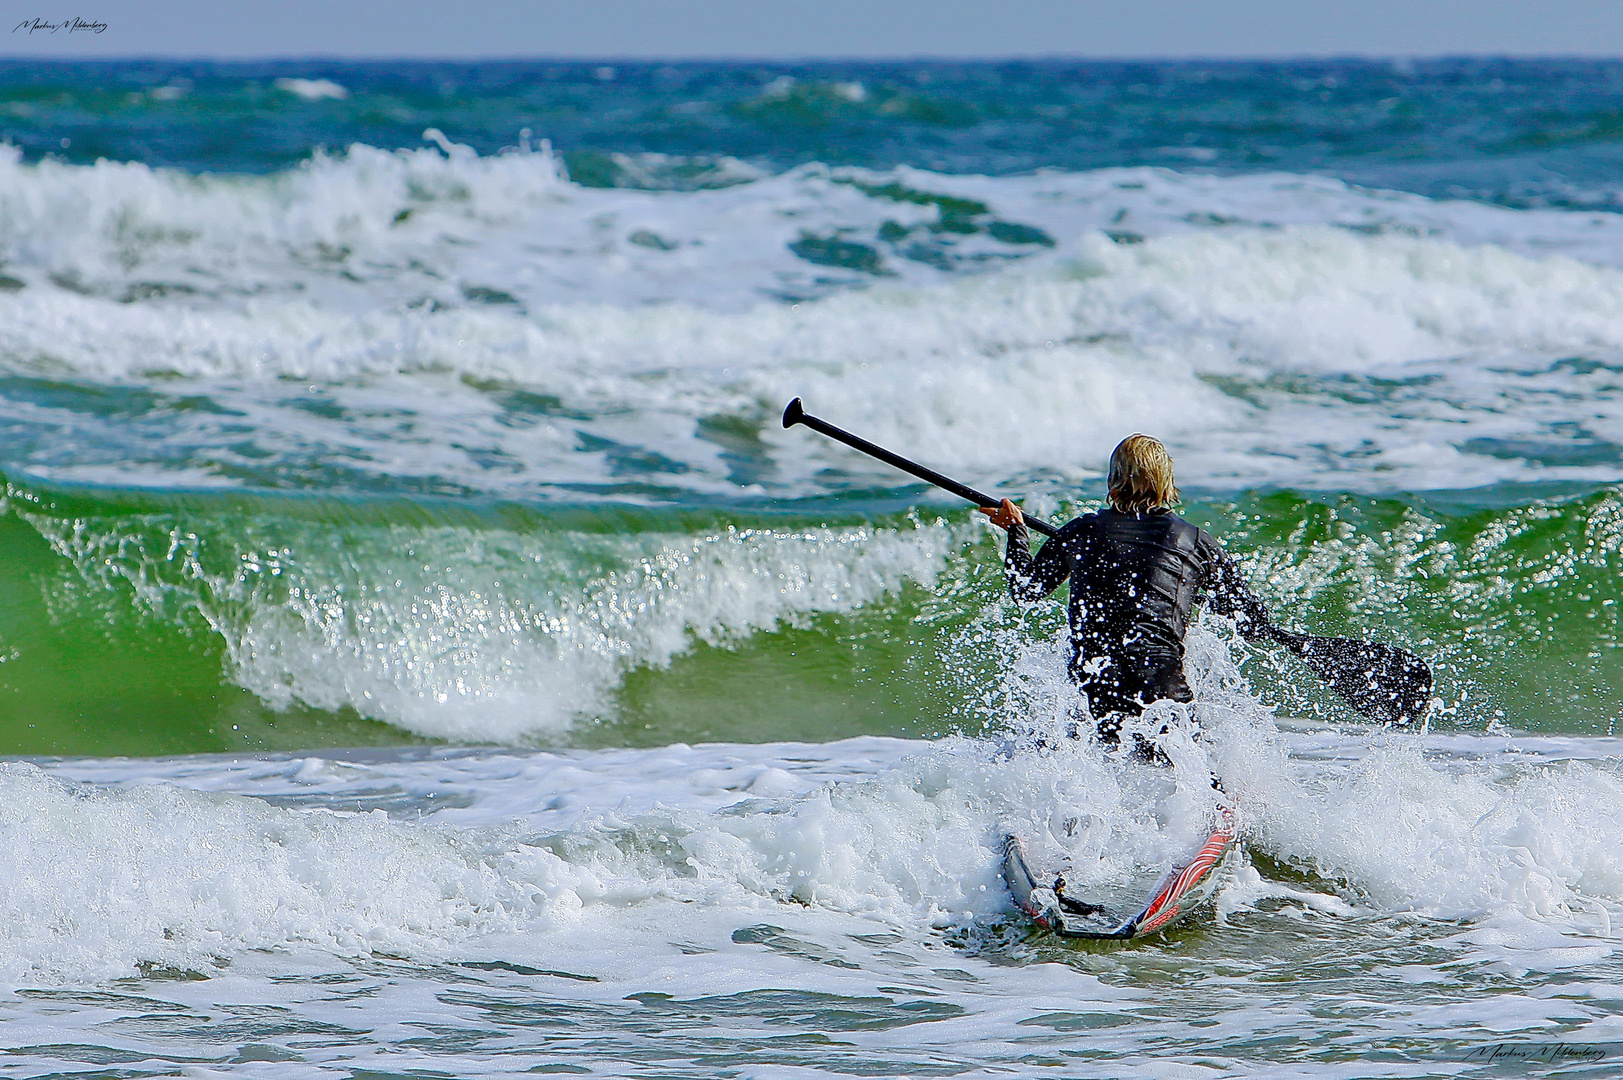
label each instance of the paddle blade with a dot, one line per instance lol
(1381, 681)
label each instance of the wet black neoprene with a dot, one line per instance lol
(1136, 580)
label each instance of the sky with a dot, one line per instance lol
(780, 29)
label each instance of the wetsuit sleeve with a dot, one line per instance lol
(1032, 577)
(1230, 595)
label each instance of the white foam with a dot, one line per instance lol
(312, 89)
(1457, 844)
(1309, 356)
(164, 876)
(174, 877)
(547, 853)
(376, 228)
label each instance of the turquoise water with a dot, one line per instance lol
(1524, 133)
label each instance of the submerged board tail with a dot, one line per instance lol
(1180, 891)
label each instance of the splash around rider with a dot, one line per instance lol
(1137, 573)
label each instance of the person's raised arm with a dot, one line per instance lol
(1030, 578)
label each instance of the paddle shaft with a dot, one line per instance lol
(794, 414)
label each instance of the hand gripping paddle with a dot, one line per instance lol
(1381, 681)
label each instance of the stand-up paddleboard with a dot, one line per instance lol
(1180, 891)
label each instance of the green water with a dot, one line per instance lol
(127, 621)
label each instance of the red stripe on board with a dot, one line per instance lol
(1163, 908)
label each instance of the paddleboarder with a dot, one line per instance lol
(1137, 573)
(1384, 683)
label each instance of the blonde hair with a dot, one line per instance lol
(1141, 475)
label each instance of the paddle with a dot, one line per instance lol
(1381, 681)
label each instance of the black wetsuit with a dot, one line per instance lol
(1135, 582)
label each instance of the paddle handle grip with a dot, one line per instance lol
(795, 414)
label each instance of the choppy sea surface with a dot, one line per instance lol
(423, 652)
